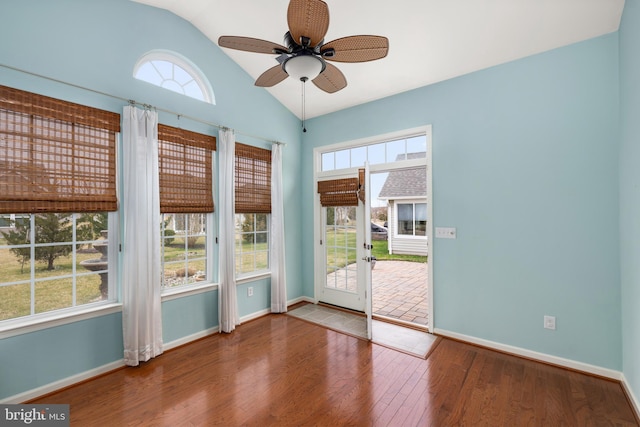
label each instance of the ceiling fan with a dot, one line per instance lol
(305, 55)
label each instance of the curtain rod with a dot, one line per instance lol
(134, 102)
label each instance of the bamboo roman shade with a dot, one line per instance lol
(55, 156)
(339, 192)
(184, 163)
(253, 179)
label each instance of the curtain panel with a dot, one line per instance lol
(141, 311)
(277, 247)
(229, 317)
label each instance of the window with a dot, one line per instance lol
(186, 203)
(376, 153)
(412, 219)
(57, 157)
(252, 208)
(172, 71)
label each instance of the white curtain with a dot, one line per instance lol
(141, 315)
(276, 247)
(229, 317)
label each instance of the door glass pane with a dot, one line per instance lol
(340, 248)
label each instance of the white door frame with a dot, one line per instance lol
(320, 175)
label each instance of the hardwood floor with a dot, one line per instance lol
(279, 370)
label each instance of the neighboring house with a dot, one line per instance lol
(406, 194)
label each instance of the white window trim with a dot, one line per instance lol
(20, 326)
(182, 62)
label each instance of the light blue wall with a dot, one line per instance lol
(32, 360)
(95, 44)
(525, 165)
(629, 192)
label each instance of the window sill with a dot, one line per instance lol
(185, 291)
(32, 325)
(253, 277)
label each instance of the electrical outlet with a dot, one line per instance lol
(250, 291)
(550, 322)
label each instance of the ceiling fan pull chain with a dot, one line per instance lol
(303, 80)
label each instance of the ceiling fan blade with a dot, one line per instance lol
(330, 80)
(249, 44)
(308, 18)
(271, 77)
(356, 49)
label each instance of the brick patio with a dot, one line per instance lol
(399, 289)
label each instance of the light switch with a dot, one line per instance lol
(445, 233)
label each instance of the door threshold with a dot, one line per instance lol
(346, 310)
(399, 322)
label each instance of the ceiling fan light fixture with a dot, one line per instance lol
(303, 67)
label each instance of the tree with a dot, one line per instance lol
(49, 228)
(89, 225)
(249, 227)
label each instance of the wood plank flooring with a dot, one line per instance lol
(282, 371)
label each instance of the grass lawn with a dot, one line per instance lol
(342, 251)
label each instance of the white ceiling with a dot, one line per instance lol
(429, 40)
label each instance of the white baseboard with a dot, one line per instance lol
(255, 315)
(65, 382)
(541, 357)
(301, 299)
(189, 338)
(632, 397)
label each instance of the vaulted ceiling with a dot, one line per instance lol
(429, 40)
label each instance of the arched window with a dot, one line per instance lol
(174, 72)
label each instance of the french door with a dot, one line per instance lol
(344, 276)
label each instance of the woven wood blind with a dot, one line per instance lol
(253, 179)
(184, 162)
(361, 189)
(55, 156)
(339, 192)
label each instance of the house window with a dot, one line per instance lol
(411, 219)
(174, 72)
(185, 162)
(57, 197)
(252, 209)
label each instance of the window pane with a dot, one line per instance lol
(91, 288)
(343, 159)
(417, 144)
(172, 86)
(421, 211)
(165, 69)
(53, 294)
(181, 76)
(148, 73)
(358, 156)
(405, 212)
(395, 150)
(376, 153)
(328, 161)
(15, 301)
(261, 222)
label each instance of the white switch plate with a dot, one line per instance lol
(550, 322)
(445, 233)
(250, 291)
